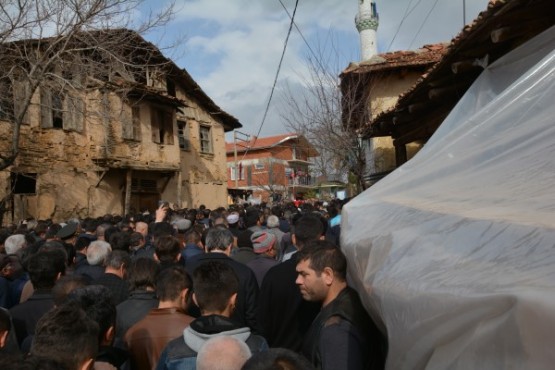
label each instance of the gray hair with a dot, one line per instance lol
(223, 352)
(117, 258)
(97, 252)
(14, 243)
(272, 222)
(218, 238)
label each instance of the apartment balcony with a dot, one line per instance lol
(305, 181)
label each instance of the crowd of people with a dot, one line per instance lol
(244, 287)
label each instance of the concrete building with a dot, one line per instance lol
(140, 131)
(275, 167)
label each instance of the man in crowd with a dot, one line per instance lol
(219, 241)
(342, 336)
(147, 338)
(283, 315)
(44, 268)
(264, 246)
(223, 352)
(67, 335)
(114, 275)
(215, 292)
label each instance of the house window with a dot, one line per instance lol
(183, 135)
(24, 183)
(162, 126)
(259, 166)
(57, 110)
(205, 139)
(240, 169)
(170, 85)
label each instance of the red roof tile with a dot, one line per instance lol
(261, 142)
(427, 55)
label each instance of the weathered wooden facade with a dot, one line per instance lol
(502, 27)
(117, 142)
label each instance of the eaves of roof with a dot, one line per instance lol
(503, 26)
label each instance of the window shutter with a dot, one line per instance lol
(168, 123)
(126, 122)
(20, 94)
(73, 113)
(45, 108)
(155, 125)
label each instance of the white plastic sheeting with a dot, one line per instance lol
(454, 252)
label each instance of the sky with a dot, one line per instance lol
(232, 48)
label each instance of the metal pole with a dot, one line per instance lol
(464, 13)
(235, 154)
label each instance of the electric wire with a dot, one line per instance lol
(405, 16)
(276, 77)
(423, 23)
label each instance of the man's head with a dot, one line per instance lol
(219, 239)
(272, 222)
(142, 227)
(97, 252)
(142, 274)
(253, 217)
(278, 359)
(223, 352)
(97, 302)
(65, 285)
(306, 229)
(263, 242)
(167, 249)
(14, 244)
(45, 267)
(66, 334)
(117, 262)
(322, 270)
(173, 286)
(215, 286)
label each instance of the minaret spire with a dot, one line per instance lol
(367, 21)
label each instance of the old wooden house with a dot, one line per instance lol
(115, 137)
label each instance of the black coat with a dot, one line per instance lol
(247, 298)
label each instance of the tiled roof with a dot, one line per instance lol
(427, 55)
(524, 17)
(267, 142)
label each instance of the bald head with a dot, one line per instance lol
(223, 353)
(142, 227)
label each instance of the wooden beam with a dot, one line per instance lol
(449, 91)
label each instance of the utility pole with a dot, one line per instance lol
(235, 138)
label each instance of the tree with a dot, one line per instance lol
(326, 116)
(53, 52)
(54, 44)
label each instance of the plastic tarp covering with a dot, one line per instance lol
(453, 253)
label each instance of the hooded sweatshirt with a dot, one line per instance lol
(181, 352)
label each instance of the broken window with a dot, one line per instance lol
(62, 111)
(183, 135)
(162, 126)
(205, 139)
(24, 183)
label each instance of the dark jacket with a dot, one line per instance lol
(26, 315)
(147, 338)
(283, 315)
(118, 287)
(247, 298)
(260, 266)
(133, 309)
(344, 336)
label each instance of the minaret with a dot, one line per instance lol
(367, 24)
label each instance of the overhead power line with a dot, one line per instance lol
(276, 78)
(423, 23)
